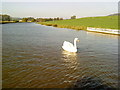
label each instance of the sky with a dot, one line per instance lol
(60, 0)
(58, 8)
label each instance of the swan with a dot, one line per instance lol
(69, 46)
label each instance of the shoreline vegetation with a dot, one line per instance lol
(103, 24)
(4, 19)
(5, 22)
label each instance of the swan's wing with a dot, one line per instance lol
(67, 44)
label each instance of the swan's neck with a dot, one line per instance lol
(75, 44)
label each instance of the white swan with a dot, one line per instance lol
(69, 46)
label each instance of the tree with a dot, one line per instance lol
(24, 19)
(57, 18)
(40, 20)
(5, 17)
(33, 20)
(0, 17)
(50, 19)
(61, 19)
(30, 19)
(73, 17)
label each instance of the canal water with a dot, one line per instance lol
(32, 57)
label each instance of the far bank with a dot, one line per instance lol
(105, 23)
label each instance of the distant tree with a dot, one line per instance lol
(31, 19)
(47, 19)
(50, 19)
(0, 17)
(43, 20)
(61, 19)
(40, 20)
(5, 17)
(57, 18)
(73, 17)
(24, 19)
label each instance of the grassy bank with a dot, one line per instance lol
(4, 22)
(110, 22)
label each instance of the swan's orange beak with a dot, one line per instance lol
(78, 40)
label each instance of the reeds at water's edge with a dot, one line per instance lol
(65, 26)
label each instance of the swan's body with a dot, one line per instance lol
(69, 46)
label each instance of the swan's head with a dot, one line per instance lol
(76, 39)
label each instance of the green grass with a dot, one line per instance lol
(109, 22)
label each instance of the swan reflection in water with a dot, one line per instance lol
(70, 62)
(70, 59)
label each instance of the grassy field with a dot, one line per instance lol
(109, 22)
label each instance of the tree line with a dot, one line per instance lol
(30, 19)
(8, 18)
(47, 19)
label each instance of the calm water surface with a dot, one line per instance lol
(33, 57)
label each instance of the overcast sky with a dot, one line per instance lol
(58, 8)
(60, 0)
